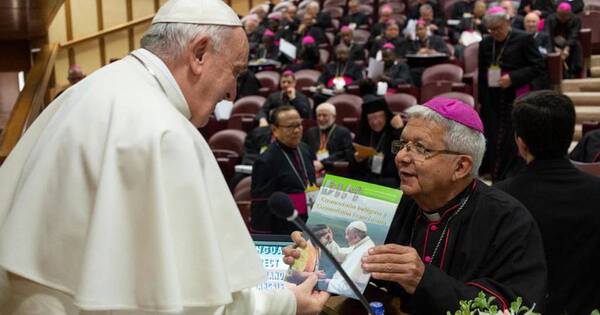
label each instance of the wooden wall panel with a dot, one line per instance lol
(85, 22)
(9, 91)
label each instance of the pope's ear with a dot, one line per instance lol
(198, 49)
(463, 167)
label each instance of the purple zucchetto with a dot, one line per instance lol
(495, 10)
(345, 28)
(457, 111)
(268, 33)
(308, 40)
(564, 6)
(388, 46)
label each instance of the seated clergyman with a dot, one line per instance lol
(453, 236)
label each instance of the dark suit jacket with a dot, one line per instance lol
(339, 145)
(271, 172)
(358, 18)
(588, 148)
(352, 70)
(435, 42)
(545, 6)
(566, 205)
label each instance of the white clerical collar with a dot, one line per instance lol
(432, 216)
(165, 78)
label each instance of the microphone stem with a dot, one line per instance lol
(337, 265)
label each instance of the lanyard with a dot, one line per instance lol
(323, 144)
(379, 143)
(337, 68)
(304, 183)
(497, 59)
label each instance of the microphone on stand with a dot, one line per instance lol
(281, 206)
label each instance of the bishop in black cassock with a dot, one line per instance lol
(520, 62)
(453, 236)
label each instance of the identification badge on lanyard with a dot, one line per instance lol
(377, 163)
(311, 196)
(322, 154)
(339, 83)
(493, 75)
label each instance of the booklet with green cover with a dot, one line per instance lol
(349, 217)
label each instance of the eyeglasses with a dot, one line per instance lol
(290, 127)
(417, 150)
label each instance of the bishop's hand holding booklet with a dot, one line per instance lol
(348, 217)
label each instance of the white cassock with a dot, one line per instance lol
(350, 258)
(112, 200)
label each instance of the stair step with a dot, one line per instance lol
(581, 85)
(595, 72)
(585, 113)
(584, 98)
(595, 61)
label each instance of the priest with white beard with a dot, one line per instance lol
(112, 202)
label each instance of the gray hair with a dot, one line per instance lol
(326, 106)
(425, 7)
(168, 40)
(495, 18)
(459, 138)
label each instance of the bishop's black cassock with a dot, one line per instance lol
(519, 57)
(491, 244)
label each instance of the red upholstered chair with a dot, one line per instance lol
(397, 7)
(228, 140)
(248, 105)
(281, 6)
(334, 11)
(242, 121)
(334, 3)
(330, 37)
(324, 56)
(442, 72)
(361, 36)
(432, 89)
(399, 102)
(212, 127)
(245, 211)
(590, 168)
(367, 9)
(448, 5)
(465, 98)
(335, 26)
(471, 65)
(269, 81)
(306, 78)
(589, 126)
(348, 108)
(241, 192)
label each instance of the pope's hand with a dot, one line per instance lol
(397, 263)
(290, 253)
(308, 300)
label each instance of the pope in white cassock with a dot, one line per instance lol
(112, 202)
(350, 258)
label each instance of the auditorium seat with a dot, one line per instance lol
(447, 8)
(330, 37)
(241, 192)
(399, 102)
(324, 56)
(306, 78)
(242, 121)
(432, 89)
(229, 140)
(554, 65)
(269, 82)
(361, 36)
(281, 6)
(590, 20)
(348, 108)
(245, 211)
(334, 3)
(590, 168)
(248, 105)
(585, 39)
(587, 126)
(212, 126)
(397, 7)
(466, 98)
(435, 79)
(334, 11)
(470, 67)
(367, 9)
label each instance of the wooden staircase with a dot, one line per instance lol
(585, 94)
